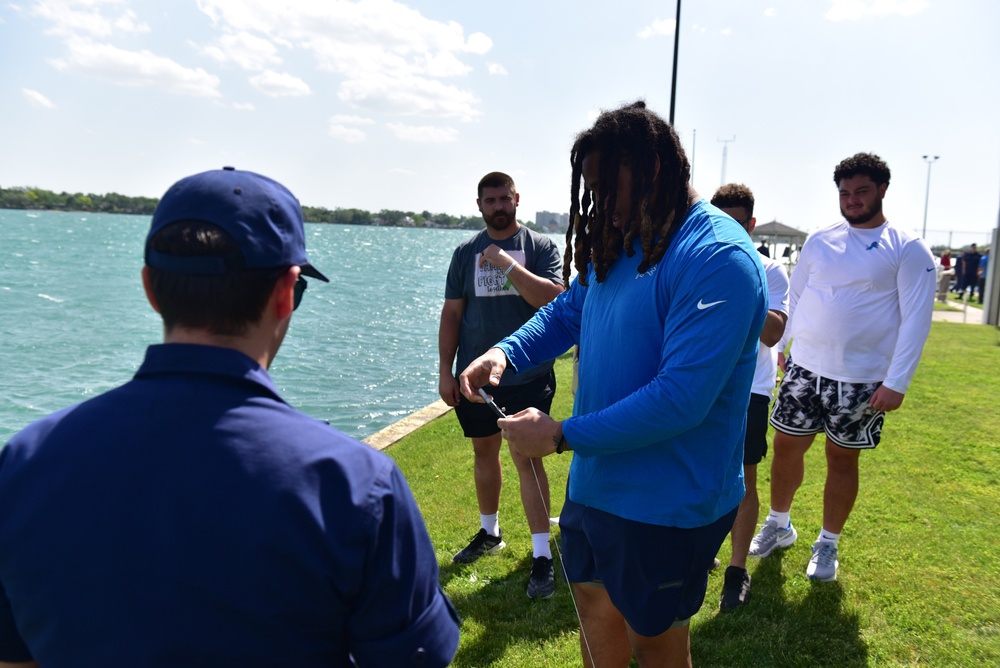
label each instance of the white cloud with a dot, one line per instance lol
(771, 12)
(244, 106)
(37, 99)
(93, 18)
(405, 54)
(479, 44)
(279, 84)
(496, 69)
(853, 10)
(658, 27)
(339, 127)
(726, 31)
(136, 68)
(423, 133)
(345, 119)
(244, 50)
(410, 96)
(344, 133)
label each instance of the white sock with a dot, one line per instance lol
(781, 520)
(491, 523)
(828, 537)
(540, 545)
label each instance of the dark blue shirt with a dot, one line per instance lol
(191, 517)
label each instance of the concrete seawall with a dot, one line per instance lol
(383, 438)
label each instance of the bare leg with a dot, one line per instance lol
(534, 492)
(487, 472)
(841, 486)
(670, 649)
(787, 468)
(745, 524)
(604, 639)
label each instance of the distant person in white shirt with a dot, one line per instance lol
(737, 200)
(860, 309)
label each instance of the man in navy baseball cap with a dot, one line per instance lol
(191, 517)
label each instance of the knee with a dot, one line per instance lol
(842, 460)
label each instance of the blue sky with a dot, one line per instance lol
(404, 105)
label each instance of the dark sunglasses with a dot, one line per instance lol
(300, 288)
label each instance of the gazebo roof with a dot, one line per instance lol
(776, 229)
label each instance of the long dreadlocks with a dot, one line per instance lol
(637, 137)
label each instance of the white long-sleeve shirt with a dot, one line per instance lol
(860, 304)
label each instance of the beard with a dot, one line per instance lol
(866, 214)
(500, 220)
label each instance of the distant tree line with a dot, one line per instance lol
(46, 200)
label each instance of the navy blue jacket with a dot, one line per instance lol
(191, 517)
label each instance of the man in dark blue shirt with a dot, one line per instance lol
(191, 517)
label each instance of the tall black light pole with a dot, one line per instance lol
(930, 161)
(673, 82)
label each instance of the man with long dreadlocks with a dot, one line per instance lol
(667, 308)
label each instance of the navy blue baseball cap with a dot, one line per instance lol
(259, 213)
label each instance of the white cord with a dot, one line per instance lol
(562, 563)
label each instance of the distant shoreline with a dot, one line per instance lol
(38, 199)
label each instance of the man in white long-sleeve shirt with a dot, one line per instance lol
(860, 304)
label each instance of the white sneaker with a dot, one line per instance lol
(770, 537)
(823, 564)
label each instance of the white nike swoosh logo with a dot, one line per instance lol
(702, 305)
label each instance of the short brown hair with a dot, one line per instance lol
(223, 304)
(733, 195)
(495, 180)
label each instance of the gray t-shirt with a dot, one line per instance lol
(493, 306)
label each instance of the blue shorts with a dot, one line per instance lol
(656, 576)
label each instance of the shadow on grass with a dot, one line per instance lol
(500, 613)
(789, 621)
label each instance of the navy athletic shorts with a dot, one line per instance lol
(656, 576)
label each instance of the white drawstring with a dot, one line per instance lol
(583, 634)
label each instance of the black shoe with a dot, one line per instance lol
(482, 543)
(735, 589)
(543, 580)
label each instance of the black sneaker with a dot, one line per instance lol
(482, 543)
(735, 588)
(543, 580)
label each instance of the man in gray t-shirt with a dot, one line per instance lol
(496, 282)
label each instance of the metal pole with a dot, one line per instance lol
(673, 82)
(725, 147)
(694, 139)
(930, 161)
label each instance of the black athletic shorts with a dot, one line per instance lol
(479, 420)
(755, 443)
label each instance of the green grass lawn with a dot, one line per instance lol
(919, 581)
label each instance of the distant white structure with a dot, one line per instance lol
(551, 222)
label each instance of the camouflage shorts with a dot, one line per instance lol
(808, 403)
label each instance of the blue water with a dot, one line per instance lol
(361, 352)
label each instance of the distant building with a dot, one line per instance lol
(551, 222)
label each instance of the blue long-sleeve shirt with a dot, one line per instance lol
(667, 358)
